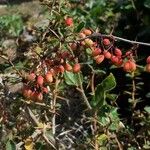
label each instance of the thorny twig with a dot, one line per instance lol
(37, 132)
(110, 36)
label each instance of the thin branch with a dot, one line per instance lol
(110, 36)
(83, 93)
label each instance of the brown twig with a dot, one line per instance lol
(94, 35)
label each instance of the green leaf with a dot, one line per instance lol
(10, 145)
(73, 78)
(80, 26)
(147, 3)
(112, 97)
(101, 90)
(147, 109)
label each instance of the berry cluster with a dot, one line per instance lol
(105, 49)
(36, 83)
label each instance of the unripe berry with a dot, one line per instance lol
(99, 59)
(106, 42)
(147, 68)
(40, 80)
(76, 68)
(148, 60)
(117, 52)
(39, 97)
(49, 77)
(31, 77)
(107, 54)
(69, 22)
(68, 67)
(87, 32)
(89, 42)
(96, 51)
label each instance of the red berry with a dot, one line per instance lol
(148, 60)
(99, 59)
(129, 66)
(107, 54)
(68, 67)
(49, 77)
(69, 22)
(96, 51)
(40, 80)
(34, 96)
(73, 46)
(76, 68)
(65, 54)
(147, 68)
(27, 93)
(128, 54)
(119, 63)
(61, 69)
(114, 59)
(82, 35)
(117, 52)
(45, 90)
(133, 66)
(31, 77)
(106, 42)
(87, 31)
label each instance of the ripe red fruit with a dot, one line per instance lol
(148, 60)
(27, 93)
(34, 96)
(128, 54)
(99, 59)
(87, 32)
(117, 52)
(45, 90)
(76, 68)
(129, 66)
(61, 69)
(82, 35)
(106, 42)
(96, 51)
(39, 97)
(107, 54)
(49, 77)
(73, 46)
(40, 80)
(69, 22)
(119, 63)
(114, 59)
(68, 67)
(65, 54)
